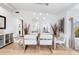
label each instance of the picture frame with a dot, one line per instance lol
(2, 22)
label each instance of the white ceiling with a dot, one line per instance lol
(53, 8)
(75, 8)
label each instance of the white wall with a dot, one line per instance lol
(13, 20)
(10, 21)
(31, 17)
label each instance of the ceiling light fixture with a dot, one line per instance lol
(40, 13)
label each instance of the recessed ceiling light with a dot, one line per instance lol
(40, 13)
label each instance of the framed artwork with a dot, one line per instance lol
(2, 22)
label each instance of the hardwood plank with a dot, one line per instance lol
(15, 49)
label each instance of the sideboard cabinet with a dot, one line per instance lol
(6, 39)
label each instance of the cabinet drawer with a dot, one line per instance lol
(1, 37)
(1, 42)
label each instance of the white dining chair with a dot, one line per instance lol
(47, 40)
(30, 39)
(60, 40)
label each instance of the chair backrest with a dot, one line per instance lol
(62, 37)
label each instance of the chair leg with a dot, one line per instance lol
(54, 45)
(50, 48)
(25, 47)
(64, 46)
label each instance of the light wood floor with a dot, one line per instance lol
(15, 49)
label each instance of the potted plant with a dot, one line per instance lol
(77, 33)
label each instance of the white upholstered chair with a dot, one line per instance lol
(60, 40)
(30, 39)
(46, 39)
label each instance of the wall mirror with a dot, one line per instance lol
(2, 22)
